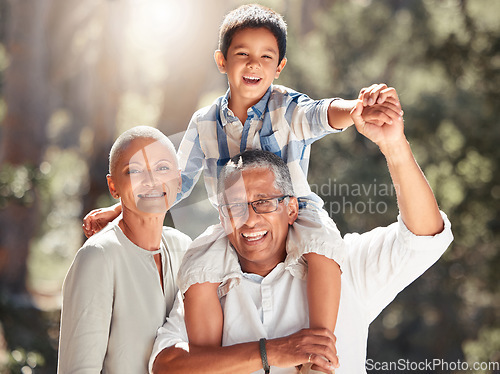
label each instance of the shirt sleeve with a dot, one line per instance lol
(173, 332)
(208, 259)
(86, 313)
(191, 158)
(308, 118)
(382, 262)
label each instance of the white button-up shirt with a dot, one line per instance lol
(379, 264)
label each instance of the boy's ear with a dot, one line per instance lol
(220, 61)
(280, 67)
(111, 187)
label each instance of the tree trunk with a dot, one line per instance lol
(106, 89)
(23, 132)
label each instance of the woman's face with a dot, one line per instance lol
(147, 177)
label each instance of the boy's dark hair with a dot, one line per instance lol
(252, 16)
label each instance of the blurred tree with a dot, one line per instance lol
(23, 135)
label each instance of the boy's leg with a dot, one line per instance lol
(316, 238)
(206, 266)
(208, 260)
(313, 232)
(323, 291)
(203, 315)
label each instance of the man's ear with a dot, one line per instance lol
(226, 223)
(280, 67)
(293, 209)
(179, 188)
(111, 187)
(220, 61)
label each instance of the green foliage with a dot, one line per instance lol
(31, 335)
(18, 184)
(61, 235)
(486, 348)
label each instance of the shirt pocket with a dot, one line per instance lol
(271, 143)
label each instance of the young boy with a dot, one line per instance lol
(255, 114)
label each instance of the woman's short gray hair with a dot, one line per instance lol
(137, 132)
(254, 159)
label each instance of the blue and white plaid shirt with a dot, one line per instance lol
(284, 122)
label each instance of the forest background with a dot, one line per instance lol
(74, 74)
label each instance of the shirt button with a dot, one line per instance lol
(266, 304)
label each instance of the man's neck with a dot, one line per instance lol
(259, 268)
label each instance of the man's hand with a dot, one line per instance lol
(371, 97)
(97, 219)
(391, 131)
(416, 202)
(316, 346)
(339, 110)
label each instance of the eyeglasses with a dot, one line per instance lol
(259, 206)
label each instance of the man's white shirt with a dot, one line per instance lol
(379, 264)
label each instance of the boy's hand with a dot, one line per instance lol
(377, 94)
(97, 219)
(371, 98)
(386, 134)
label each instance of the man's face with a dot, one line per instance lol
(259, 239)
(251, 65)
(147, 178)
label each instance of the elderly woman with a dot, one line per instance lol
(121, 284)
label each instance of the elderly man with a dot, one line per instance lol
(265, 302)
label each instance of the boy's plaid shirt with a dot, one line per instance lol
(284, 122)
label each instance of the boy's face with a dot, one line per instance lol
(251, 65)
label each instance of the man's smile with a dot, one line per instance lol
(254, 236)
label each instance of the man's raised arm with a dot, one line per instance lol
(416, 201)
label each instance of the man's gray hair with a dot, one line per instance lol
(138, 132)
(254, 159)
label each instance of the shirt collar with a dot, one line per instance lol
(269, 278)
(259, 108)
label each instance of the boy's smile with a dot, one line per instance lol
(251, 66)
